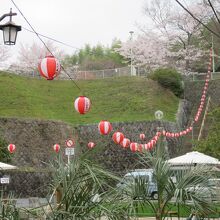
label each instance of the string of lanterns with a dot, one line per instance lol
(119, 137)
(49, 68)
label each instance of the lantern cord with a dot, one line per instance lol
(70, 77)
(198, 20)
(44, 43)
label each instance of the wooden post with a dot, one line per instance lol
(58, 195)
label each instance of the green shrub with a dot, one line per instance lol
(5, 156)
(170, 79)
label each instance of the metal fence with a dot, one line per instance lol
(96, 74)
(85, 75)
(201, 76)
(107, 73)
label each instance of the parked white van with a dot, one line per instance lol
(140, 174)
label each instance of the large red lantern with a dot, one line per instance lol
(117, 137)
(11, 148)
(142, 136)
(82, 104)
(134, 147)
(49, 67)
(56, 148)
(91, 145)
(125, 143)
(104, 127)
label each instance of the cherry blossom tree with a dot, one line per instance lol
(4, 53)
(175, 40)
(148, 50)
(30, 55)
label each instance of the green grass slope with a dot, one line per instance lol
(115, 99)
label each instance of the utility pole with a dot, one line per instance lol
(131, 38)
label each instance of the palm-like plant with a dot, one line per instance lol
(8, 210)
(85, 192)
(186, 188)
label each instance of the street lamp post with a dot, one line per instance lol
(9, 29)
(131, 33)
(162, 143)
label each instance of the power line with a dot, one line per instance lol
(214, 11)
(38, 35)
(50, 38)
(193, 16)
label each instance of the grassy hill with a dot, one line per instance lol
(114, 99)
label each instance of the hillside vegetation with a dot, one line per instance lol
(113, 99)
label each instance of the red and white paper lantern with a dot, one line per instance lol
(125, 142)
(168, 134)
(134, 147)
(155, 138)
(158, 133)
(104, 127)
(150, 145)
(142, 136)
(140, 147)
(82, 104)
(91, 145)
(117, 137)
(187, 130)
(49, 67)
(172, 135)
(153, 142)
(184, 132)
(56, 148)
(147, 146)
(164, 133)
(11, 148)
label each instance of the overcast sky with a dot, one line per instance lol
(77, 22)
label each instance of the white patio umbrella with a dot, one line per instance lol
(192, 158)
(5, 166)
